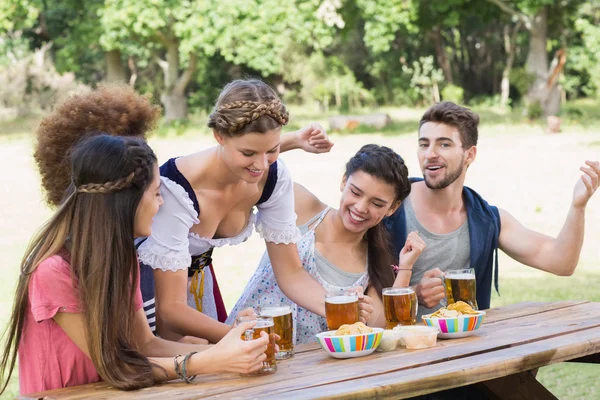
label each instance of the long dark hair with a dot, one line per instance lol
(385, 164)
(93, 230)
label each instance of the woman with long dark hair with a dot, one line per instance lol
(77, 315)
(349, 246)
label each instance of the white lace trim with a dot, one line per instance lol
(232, 241)
(181, 195)
(290, 234)
(157, 257)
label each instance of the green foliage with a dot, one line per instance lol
(323, 79)
(382, 21)
(534, 110)
(453, 93)
(485, 101)
(424, 78)
(521, 80)
(18, 14)
(340, 53)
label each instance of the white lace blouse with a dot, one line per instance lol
(171, 244)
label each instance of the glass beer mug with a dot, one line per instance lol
(341, 307)
(267, 325)
(284, 327)
(399, 306)
(460, 285)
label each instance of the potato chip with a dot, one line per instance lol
(454, 310)
(354, 329)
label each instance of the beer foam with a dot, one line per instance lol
(341, 299)
(275, 311)
(464, 276)
(397, 291)
(263, 324)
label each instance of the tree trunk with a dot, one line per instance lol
(510, 45)
(440, 52)
(338, 93)
(537, 66)
(175, 105)
(115, 70)
(134, 71)
(174, 99)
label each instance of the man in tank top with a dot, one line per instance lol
(460, 228)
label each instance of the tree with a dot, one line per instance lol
(534, 15)
(72, 28)
(180, 32)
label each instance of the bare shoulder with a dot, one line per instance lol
(306, 204)
(510, 229)
(506, 219)
(192, 166)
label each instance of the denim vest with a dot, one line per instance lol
(484, 230)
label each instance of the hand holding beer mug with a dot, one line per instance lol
(460, 286)
(430, 290)
(263, 324)
(399, 306)
(341, 307)
(284, 328)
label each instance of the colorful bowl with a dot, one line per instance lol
(457, 327)
(349, 346)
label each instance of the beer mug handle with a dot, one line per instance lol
(249, 335)
(444, 301)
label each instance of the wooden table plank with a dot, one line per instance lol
(455, 373)
(309, 364)
(524, 309)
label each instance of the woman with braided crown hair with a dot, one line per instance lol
(77, 316)
(210, 198)
(346, 247)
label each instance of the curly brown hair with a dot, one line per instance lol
(247, 106)
(114, 109)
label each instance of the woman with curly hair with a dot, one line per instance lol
(113, 109)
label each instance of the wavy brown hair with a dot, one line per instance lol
(461, 118)
(112, 109)
(384, 164)
(246, 106)
(93, 231)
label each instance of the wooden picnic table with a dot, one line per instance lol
(501, 358)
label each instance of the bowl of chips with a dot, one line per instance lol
(350, 341)
(455, 321)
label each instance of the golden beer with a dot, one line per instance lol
(399, 306)
(284, 327)
(341, 309)
(263, 324)
(460, 286)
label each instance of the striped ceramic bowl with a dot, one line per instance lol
(349, 346)
(456, 327)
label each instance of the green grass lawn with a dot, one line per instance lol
(518, 167)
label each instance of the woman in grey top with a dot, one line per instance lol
(345, 247)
